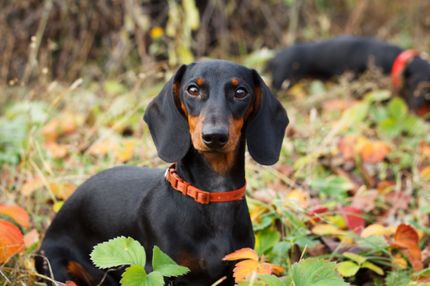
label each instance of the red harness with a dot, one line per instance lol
(198, 195)
(399, 65)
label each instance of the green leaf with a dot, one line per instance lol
(347, 268)
(270, 280)
(397, 108)
(134, 275)
(265, 240)
(355, 114)
(165, 265)
(155, 279)
(355, 257)
(332, 186)
(373, 267)
(118, 251)
(397, 278)
(315, 272)
(390, 127)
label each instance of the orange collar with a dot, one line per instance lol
(399, 65)
(198, 195)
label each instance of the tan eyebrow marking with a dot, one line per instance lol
(235, 82)
(200, 81)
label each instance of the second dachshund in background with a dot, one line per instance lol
(326, 59)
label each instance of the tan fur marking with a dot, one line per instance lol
(200, 81)
(79, 272)
(235, 82)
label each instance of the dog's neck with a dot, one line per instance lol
(196, 169)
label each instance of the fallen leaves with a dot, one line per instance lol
(406, 239)
(11, 241)
(250, 263)
(370, 151)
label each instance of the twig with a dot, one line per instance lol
(35, 45)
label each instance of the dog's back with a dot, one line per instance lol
(325, 59)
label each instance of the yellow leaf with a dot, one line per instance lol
(126, 150)
(399, 262)
(375, 230)
(243, 253)
(62, 190)
(298, 198)
(327, 229)
(425, 173)
(57, 206)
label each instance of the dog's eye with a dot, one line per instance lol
(240, 93)
(193, 90)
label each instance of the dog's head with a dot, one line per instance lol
(212, 106)
(417, 86)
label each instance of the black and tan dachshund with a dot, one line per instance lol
(326, 59)
(195, 211)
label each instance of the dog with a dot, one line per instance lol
(195, 211)
(325, 59)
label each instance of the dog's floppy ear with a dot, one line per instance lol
(168, 127)
(266, 128)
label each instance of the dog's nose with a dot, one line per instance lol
(215, 138)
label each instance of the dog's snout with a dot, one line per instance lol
(215, 138)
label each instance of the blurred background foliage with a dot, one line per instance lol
(68, 39)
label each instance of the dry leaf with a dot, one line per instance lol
(125, 151)
(243, 253)
(11, 240)
(425, 173)
(298, 198)
(373, 151)
(56, 150)
(406, 238)
(251, 263)
(62, 190)
(18, 214)
(327, 229)
(375, 230)
(31, 185)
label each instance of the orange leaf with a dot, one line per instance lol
(268, 268)
(406, 238)
(18, 214)
(244, 269)
(374, 151)
(243, 253)
(11, 240)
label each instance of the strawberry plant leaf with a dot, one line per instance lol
(373, 267)
(118, 251)
(134, 275)
(270, 280)
(315, 272)
(347, 268)
(165, 265)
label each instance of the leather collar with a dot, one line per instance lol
(200, 196)
(399, 65)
